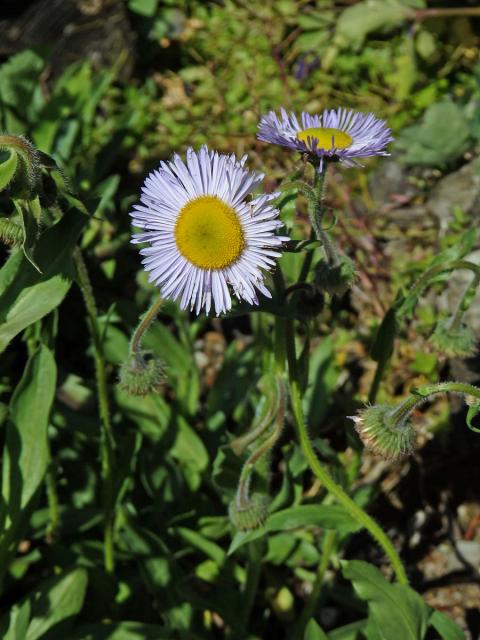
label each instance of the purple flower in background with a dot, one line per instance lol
(337, 134)
(204, 232)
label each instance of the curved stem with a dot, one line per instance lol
(322, 473)
(243, 491)
(416, 290)
(146, 321)
(404, 409)
(107, 444)
(436, 270)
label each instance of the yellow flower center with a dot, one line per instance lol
(327, 138)
(208, 233)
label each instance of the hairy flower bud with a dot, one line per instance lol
(382, 434)
(335, 279)
(453, 340)
(251, 515)
(21, 169)
(141, 374)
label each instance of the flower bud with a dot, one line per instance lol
(453, 340)
(251, 515)
(141, 375)
(381, 434)
(21, 170)
(335, 279)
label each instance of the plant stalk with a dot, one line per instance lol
(107, 444)
(356, 512)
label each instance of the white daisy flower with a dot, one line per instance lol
(203, 233)
(336, 134)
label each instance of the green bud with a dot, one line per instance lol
(335, 279)
(141, 375)
(251, 515)
(381, 434)
(11, 233)
(21, 170)
(453, 340)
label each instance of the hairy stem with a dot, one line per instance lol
(321, 472)
(401, 413)
(146, 321)
(107, 444)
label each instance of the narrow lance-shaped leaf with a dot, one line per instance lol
(25, 456)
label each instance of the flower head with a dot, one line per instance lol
(203, 233)
(336, 134)
(382, 434)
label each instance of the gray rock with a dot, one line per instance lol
(388, 180)
(458, 189)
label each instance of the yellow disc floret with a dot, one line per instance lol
(208, 233)
(327, 138)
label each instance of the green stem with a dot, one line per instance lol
(279, 335)
(52, 499)
(416, 290)
(316, 209)
(146, 321)
(377, 378)
(401, 413)
(328, 544)
(464, 302)
(424, 280)
(322, 473)
(107, 444)
(243, 491)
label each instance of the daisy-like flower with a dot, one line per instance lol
(336, 134)
(203, 233)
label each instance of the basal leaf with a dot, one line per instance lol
(55, 603)
(314, 632)
(398, 611)
(446, 627)
(25, 455)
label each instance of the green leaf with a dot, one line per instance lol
(324, 516)
(21, 93)
(314, 632)
(25, 295)
(446, 627)
(55, 603)
(29, 213)
(121, 631)
(190, 452)
(356, 22)
(398, 611)
(426, 144)
(25, 456)
(7, 170)
(145, 8)
(472, 413)
(349, 631)
(14, 625)
(384, 341)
